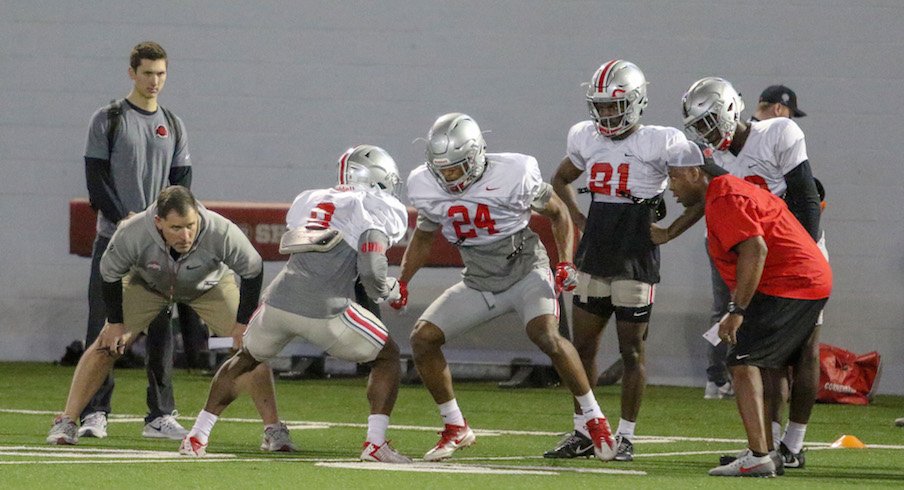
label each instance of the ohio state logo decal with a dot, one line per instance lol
(161, 131)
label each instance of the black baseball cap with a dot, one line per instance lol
(780, 94)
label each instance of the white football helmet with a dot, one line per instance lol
(370, 166)
(455, 141)
(712, 108)
(620, 82)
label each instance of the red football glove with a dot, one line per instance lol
(566, 277)
(402, 302)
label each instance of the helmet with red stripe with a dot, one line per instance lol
(456, 151)
(712, 108)
(617, 96)
(370, 166)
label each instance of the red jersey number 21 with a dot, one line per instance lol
(601, 179)
(464, 228)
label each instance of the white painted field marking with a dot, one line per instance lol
(433, 468)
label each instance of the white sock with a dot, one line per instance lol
(794, 436)
(450, 413)
(203, 425)
(776, 434)
(377, 424)
(589, 407)
(580, 424)
(625, 429)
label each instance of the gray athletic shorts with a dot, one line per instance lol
(460, 308)
(354, 335)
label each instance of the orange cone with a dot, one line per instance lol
(848, 442)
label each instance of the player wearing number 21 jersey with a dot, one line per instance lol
(625, 167)
(482, 203)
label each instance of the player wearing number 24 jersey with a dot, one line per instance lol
(482, 203)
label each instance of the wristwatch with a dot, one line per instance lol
(734, 309)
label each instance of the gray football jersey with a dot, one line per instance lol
(315, 285)
(144, 150)
(489, 220)
(319, 284)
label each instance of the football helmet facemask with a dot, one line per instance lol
(455, 142)
(621, 83)
(370, 166)
(712, 108)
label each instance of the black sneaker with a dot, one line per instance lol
(574, 445)
(625, 451)
(792, 460)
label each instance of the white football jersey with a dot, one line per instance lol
(496, 206)
(351, 209)
(635, 166)
(773, 148)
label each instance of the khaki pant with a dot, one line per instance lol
(217, 307)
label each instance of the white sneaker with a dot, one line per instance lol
(94, 425)
(191, 446)
(63, 432)
(164, 427)
(747, 465)
(716, 392)
(383, 453)
(277, 440)
(452, 438)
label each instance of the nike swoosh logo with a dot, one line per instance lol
(192, 267)
(751, 468)
(583, 449)
(640, 313)
(629, 155)
(492, 188)
(745, 356)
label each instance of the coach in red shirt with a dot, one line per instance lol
(779, 282)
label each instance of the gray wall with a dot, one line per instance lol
(272, 92)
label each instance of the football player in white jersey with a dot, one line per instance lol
(625, 166)
(771, 154)
(482, 203)
(334, 236)
(781, 101)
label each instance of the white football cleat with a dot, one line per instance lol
(192, 446)
(604, 446)
(383, 453)
(452, 438)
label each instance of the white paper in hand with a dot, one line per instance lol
(712, 335)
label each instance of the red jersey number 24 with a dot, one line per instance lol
(465, 228)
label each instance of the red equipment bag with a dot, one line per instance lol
(845, 377)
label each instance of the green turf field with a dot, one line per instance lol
(680, 437)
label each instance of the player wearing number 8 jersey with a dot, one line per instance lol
(625, 167)
(482, 203)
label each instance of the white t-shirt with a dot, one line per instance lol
(773, 148)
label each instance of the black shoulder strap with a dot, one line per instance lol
(114, 111)
(177, 130)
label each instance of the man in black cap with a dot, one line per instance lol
(777, 101)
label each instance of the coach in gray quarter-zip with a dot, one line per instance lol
(174, 251)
